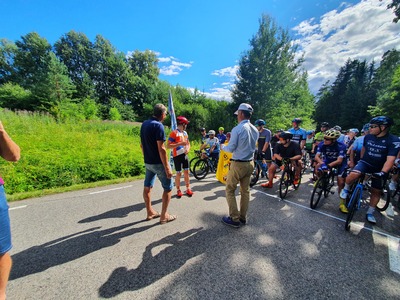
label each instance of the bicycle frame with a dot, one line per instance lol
(355, 197)
(287, 178)
(323, 186)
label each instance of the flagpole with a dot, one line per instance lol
(174, 125)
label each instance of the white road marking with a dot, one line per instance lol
(110, 190)
(18, 207)
(393, 242)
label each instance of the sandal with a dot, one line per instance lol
(169, 219)
(156, 215)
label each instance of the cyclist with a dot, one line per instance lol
(331, 153)
(212, 146)
(264, 152)
(299, 134)
(178, 141)
(319, 137)
(338, 128)
(204, 135)
(355, 148)
(221, 136)
(350, 138)
(286, 149)
(378, 154)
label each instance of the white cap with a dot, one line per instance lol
(245, 107)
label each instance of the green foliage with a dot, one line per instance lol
(61, 154)
(395, 5)
(114, 114)
(14, 96)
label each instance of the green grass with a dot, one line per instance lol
(69, 156)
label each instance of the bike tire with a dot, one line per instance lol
(255, 175)
(192, 163)
(352, 207)
(201, 169)
(317, 193)
(385, 198)
(329, 184)
(284, 183)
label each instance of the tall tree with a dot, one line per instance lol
(145, 65)
(270, 78)
(7, 54)
(75, 50)
(395, 5)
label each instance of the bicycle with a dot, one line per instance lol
(323, 186)
(194, 160)
(307, 161)
(287, 178)
(355, 198)
(258, 169)
(203, 166)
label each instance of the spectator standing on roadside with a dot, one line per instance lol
(152, 137)
(242, 146)
(10, 151)
(178, 141)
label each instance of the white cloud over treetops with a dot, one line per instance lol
(363, 31)
(171, 66)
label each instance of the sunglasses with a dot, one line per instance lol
(327, 139)
(373, 126)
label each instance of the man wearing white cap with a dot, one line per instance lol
(242, 146)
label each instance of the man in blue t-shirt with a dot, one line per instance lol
(378, 154)
(299, 134)
(152, 138)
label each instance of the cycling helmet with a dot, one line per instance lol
(332, 134)
(310, 132)
(355, 130)
(286, 135)
(221, 128)
(337, 127)
(297, 120)
(211, 132)
(259, 122)
(182, 120)
(365, 127)
(382, 120)
(202, 129)
(324, 124)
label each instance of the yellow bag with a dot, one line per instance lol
(223, 165)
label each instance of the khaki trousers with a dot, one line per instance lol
(239, 172)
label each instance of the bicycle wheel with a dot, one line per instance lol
(329, 184)
(317, 192)
(255, 175)
(284, 184)
(201, 169)
(352, 207)
(385, 198)
(192, 162)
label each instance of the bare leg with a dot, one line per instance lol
(178, 180)
(187, 180)
(5, 268)
(166, 199)
(147, 201)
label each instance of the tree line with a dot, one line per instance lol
(83, 79)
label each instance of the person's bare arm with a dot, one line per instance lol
(9, 150)
(163, 155)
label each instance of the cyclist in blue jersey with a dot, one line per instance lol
(299, 134)
(332, 154)
(378, 154)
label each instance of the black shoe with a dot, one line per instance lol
(228, 221)
(242, 221)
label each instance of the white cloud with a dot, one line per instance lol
(226, 72)
(363, 31)
(170, 65)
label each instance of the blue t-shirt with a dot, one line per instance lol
(357, 145)
(151, 131)
(330, 153)
(298, 134)
(221, 138)
(377, 149)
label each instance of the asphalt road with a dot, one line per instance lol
(95, 243)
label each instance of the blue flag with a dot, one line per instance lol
(174, 125)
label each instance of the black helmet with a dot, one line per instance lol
(337, 127)
(297, 120)
(382, 120)
(286, 135)
(259, 122)
(324, 124)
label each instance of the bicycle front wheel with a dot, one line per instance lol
(201, 169)
(352, 207)
(317, 193)
(192, 163)
(385, 198)
(329, 184)
(256, 174)
(284, 184)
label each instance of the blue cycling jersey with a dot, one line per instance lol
(298, 134)
(377, 149)
(330, 153)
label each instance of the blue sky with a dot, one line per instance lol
(199, 43)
